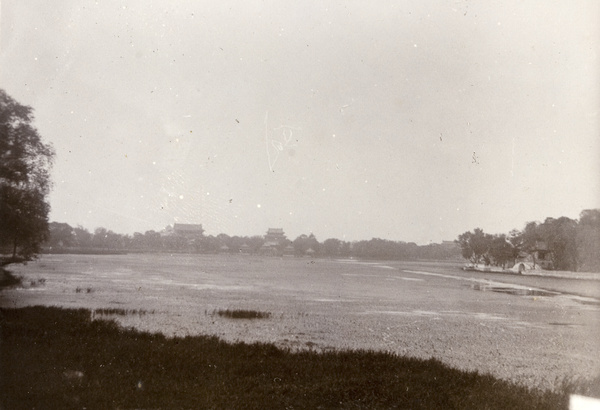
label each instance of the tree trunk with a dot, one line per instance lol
(15, 248)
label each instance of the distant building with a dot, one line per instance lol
(275, 235)
(542, 256)
(539, 257)
(274, 241)
(188, 230)
(289, 250)
(450, 244)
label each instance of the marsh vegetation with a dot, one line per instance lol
(59, 358)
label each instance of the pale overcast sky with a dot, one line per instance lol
(403, 120)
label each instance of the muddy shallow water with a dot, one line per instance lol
(497, 324)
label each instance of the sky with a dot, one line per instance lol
(404, 120)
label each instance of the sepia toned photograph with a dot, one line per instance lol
(299, 204)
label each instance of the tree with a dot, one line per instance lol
(560, 236)
(332, 246)
(300, 245)
(529, 239)
(115, 240)
(61, 235)
(99, 238)
(83, 238)
(475, 245)
(177, 243)
(502, 251)
(25, 163)
(303, 243)
(210, 244)
(152, 240)
(255, 242)
(557, 238)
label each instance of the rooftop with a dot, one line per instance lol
(188, 227)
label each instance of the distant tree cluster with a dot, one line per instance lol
(64, 238)
(567, 243)
(377, 248)
(498, 250)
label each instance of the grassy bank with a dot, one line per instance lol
(57, 358)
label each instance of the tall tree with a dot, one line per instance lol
(529, 239)
(61, 235)
(25, 162)
(331, 247)
(502, 250)
(475, 245)
(83, 237)
(303, 243)
(560, 236)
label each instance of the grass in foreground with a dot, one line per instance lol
(58, 358)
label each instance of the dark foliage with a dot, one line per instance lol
(25, 163)
(570, 244)
(8, 280)
(53, 358)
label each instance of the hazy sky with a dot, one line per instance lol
(404, 120)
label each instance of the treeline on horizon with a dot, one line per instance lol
(565, 244)
(64, 238)
(571, 245)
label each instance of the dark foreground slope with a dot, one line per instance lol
(57, 358)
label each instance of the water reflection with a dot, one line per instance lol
(518, 291)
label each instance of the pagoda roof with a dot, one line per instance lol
(275, 231)
(188, 227)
